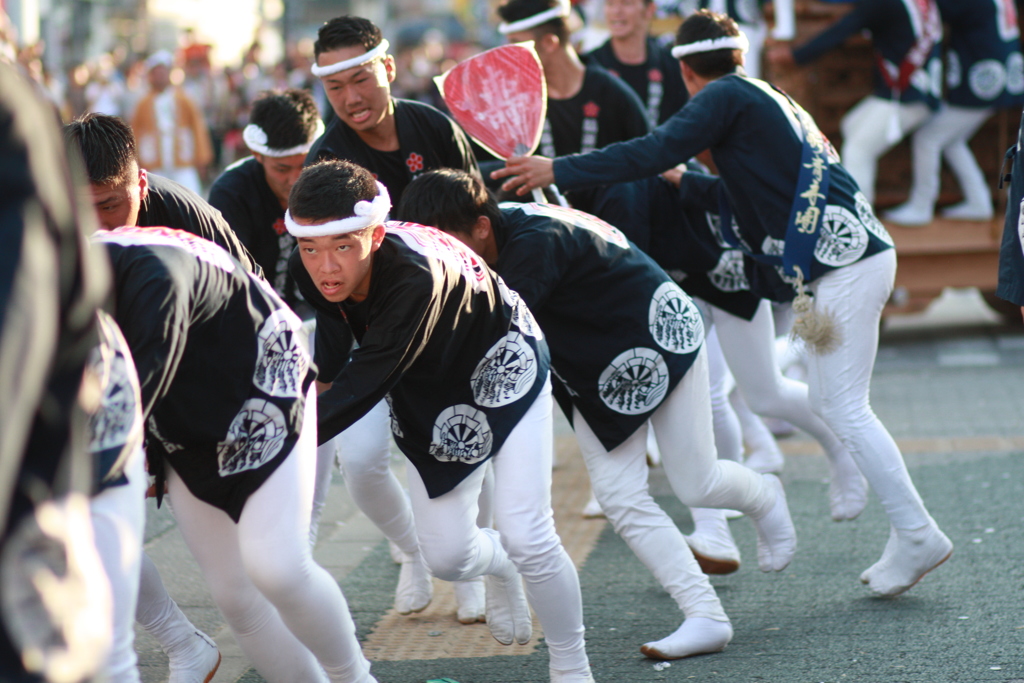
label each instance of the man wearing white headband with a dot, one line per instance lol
(588, 108)
(395, 139)
(627, 344)
(749, 16)
(230, 413)
(464, 366)
(801, 216)
(253, 192)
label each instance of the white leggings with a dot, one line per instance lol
(364, 452)
(946, 134)
(840, 383)
(286, 612)
(698, 478)
(118, 522)
(867, 135)
(749, 348)
(457, 549)
(728, 429)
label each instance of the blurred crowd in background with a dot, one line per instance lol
(114, 81)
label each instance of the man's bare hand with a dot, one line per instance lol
(525, 174)
(675, 175)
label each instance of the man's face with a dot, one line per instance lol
(626, 18)
(360, 96)
(159, 77)
(118, 204)
(281, 173)
(339, 265)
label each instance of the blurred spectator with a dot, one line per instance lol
(104, 93)
(173, 137)
(635, 56)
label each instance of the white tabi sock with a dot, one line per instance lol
(696, 636)
(776, 536)
(908, 556)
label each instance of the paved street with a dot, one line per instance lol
(952, 396)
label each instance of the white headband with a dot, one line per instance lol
(739, 42)
(256, 140)
(359, 60)
(563, 9)
(366, 214)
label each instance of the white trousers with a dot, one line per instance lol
(286, 612)
(457, 549)
(364, 452)
(684, 429)
(749, 348)
(946, 134)
(118, 522)
(868, 133)
(840, 383)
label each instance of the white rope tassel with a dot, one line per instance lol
(818, 329)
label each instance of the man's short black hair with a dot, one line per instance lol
(346, 31)
(330, 189)
(107, 145)
(288, 118)
(707, 25)
(515, 10)
(448, 199)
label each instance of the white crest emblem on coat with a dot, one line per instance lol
(254, 438)
(506, 373)
(118, 421)
(870, 220)
(1015, 73)
(729, 274)
(281, 360)
(674, 320)
(987, 79)
(842, 240)
(461, 434)
(635, 382)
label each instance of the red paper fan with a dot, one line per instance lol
(499, 97)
